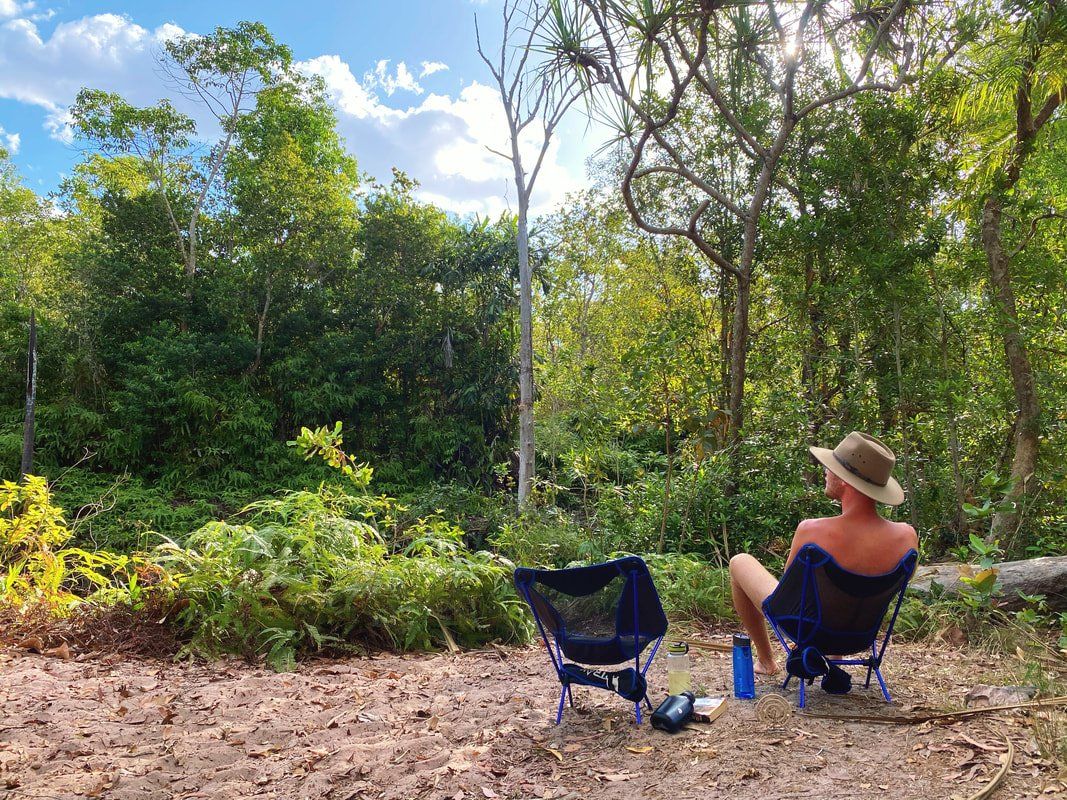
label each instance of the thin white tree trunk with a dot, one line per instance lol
(526, 385)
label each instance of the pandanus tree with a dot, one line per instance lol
(676, 73)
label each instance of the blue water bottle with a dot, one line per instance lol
(744, 678)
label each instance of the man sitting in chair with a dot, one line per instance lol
(858, 474)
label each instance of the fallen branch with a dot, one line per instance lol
(722, 648)
(917, 719)
(991, 787)
(1033, 576)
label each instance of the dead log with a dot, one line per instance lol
(1035, 576)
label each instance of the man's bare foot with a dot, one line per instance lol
(765, 667)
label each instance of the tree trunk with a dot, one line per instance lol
(724, 349)
(738, 358)
(31, 400)
(1024, 461)
(261, 325)
(909, 482)
(950, 415)
(667, 484)
(526, 387)
(1027, 411)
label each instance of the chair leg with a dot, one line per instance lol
(867, 683)
(802, 699)
(570, 697)
(785, 684)
(559, 711)
(637, 712)
(881, 682)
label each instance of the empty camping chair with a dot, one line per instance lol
(825, 609)
(598, 615)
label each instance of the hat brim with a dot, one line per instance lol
(891, 494)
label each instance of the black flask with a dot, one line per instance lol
(673, 712)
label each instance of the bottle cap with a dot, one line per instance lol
(742, 640)
(678, 648)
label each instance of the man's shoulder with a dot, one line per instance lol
(815, 530)
(816, 524)
(907, 533)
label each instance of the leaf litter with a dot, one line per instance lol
(479, 725)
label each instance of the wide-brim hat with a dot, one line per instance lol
(865, 464)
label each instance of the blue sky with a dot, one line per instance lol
(404, 76)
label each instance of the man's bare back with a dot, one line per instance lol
(865, 545)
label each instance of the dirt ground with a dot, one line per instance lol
(479, 725)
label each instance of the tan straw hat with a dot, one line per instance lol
(865, 464)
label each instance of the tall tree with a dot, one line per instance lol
(1021, 86)
(292, 188)
(535, 97)
(28, 430)
(221, 75)
(756, 71)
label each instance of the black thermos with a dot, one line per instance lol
(673, 712)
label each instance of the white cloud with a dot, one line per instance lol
(402, 79)
(430, 67)
(106, 51)
(10, 141)
(12, 8)
(443, 142)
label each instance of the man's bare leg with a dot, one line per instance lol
(750, 584)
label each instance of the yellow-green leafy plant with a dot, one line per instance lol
(39, 570)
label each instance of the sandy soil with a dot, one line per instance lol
(477, 725)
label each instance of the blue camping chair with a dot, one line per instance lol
(597, 615)
(823, 608)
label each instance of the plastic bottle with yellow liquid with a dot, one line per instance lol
(678, 677)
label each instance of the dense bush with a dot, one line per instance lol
(332, 568)
(313, 569)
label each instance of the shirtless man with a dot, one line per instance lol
(858, 474)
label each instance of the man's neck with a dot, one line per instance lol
(855, 504)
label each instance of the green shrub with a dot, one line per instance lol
(690, 588)
(547, 537)
(312, 569)
(480, 515)
(39, 571)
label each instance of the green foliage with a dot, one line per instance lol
(330, 568)
(548, 537)
(691, 589)
(327, 444)
(313, 569)
(39, 571)
(167, 392)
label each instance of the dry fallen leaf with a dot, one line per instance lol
(553, 751)
(639, 750)
(63, 652)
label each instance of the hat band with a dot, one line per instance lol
(857, 473)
